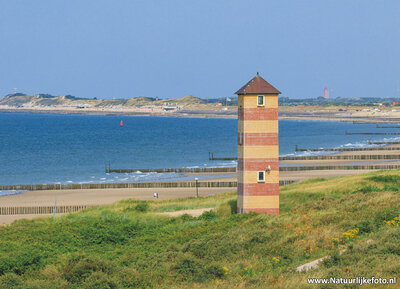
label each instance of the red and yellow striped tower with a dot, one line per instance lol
(258, 147)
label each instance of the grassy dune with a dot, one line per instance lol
(127, 245)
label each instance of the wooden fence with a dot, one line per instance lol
(116, 186)
(127, 185)
(71, 209)
(41, 210)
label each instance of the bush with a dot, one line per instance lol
(81, 267)
(385, 214)
(233, 205)
(100, 280)
(386, 179)
(334, 260)
(19, 263)
(189, 267)
(187, 217)
(392, 248)
(313, 180)
(368, 189)
(364, 227)
(224, 210)
(192, 269)
(391, 188)
(139, 207)
(198, 248)
(10, 281)
(208, 216)
(213, 271)
(142, 207)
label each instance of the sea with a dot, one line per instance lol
(59, 148)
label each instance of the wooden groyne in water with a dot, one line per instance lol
(383, 126)
(347, 149)
(343, 157)
(340, 157)
(41, 210)
(288, 168)
(384, 142)
(212, 158)
(338, 167)
(176, 170)
(372, 133)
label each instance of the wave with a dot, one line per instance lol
(146, 177)
(361, 144)
(11, 192)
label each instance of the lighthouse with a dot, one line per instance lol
(258, 147)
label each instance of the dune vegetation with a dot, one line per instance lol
(354, 220)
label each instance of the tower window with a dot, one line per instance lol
(240, 138)
(260, 100)
(261, 176)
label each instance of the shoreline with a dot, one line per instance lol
(229, 114)
(195, 114)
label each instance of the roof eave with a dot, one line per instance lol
(258, 93)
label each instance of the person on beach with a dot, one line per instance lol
(155, 196)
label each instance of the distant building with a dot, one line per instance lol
(326, 93)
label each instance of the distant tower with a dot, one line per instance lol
(15, 90)
(258, 147)
(326, 93)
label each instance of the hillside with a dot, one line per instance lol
(51, 100)
(128, 245)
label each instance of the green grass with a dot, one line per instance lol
(127, 245)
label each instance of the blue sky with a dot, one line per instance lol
(122, 49)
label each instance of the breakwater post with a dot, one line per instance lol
(197, 187)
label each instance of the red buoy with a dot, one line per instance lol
(121, 123)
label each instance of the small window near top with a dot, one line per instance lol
(260, 100)
(261, 176)
(240, 138)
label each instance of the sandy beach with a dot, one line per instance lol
(348, 115)
(95, 197)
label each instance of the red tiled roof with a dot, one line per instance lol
(258, 85)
